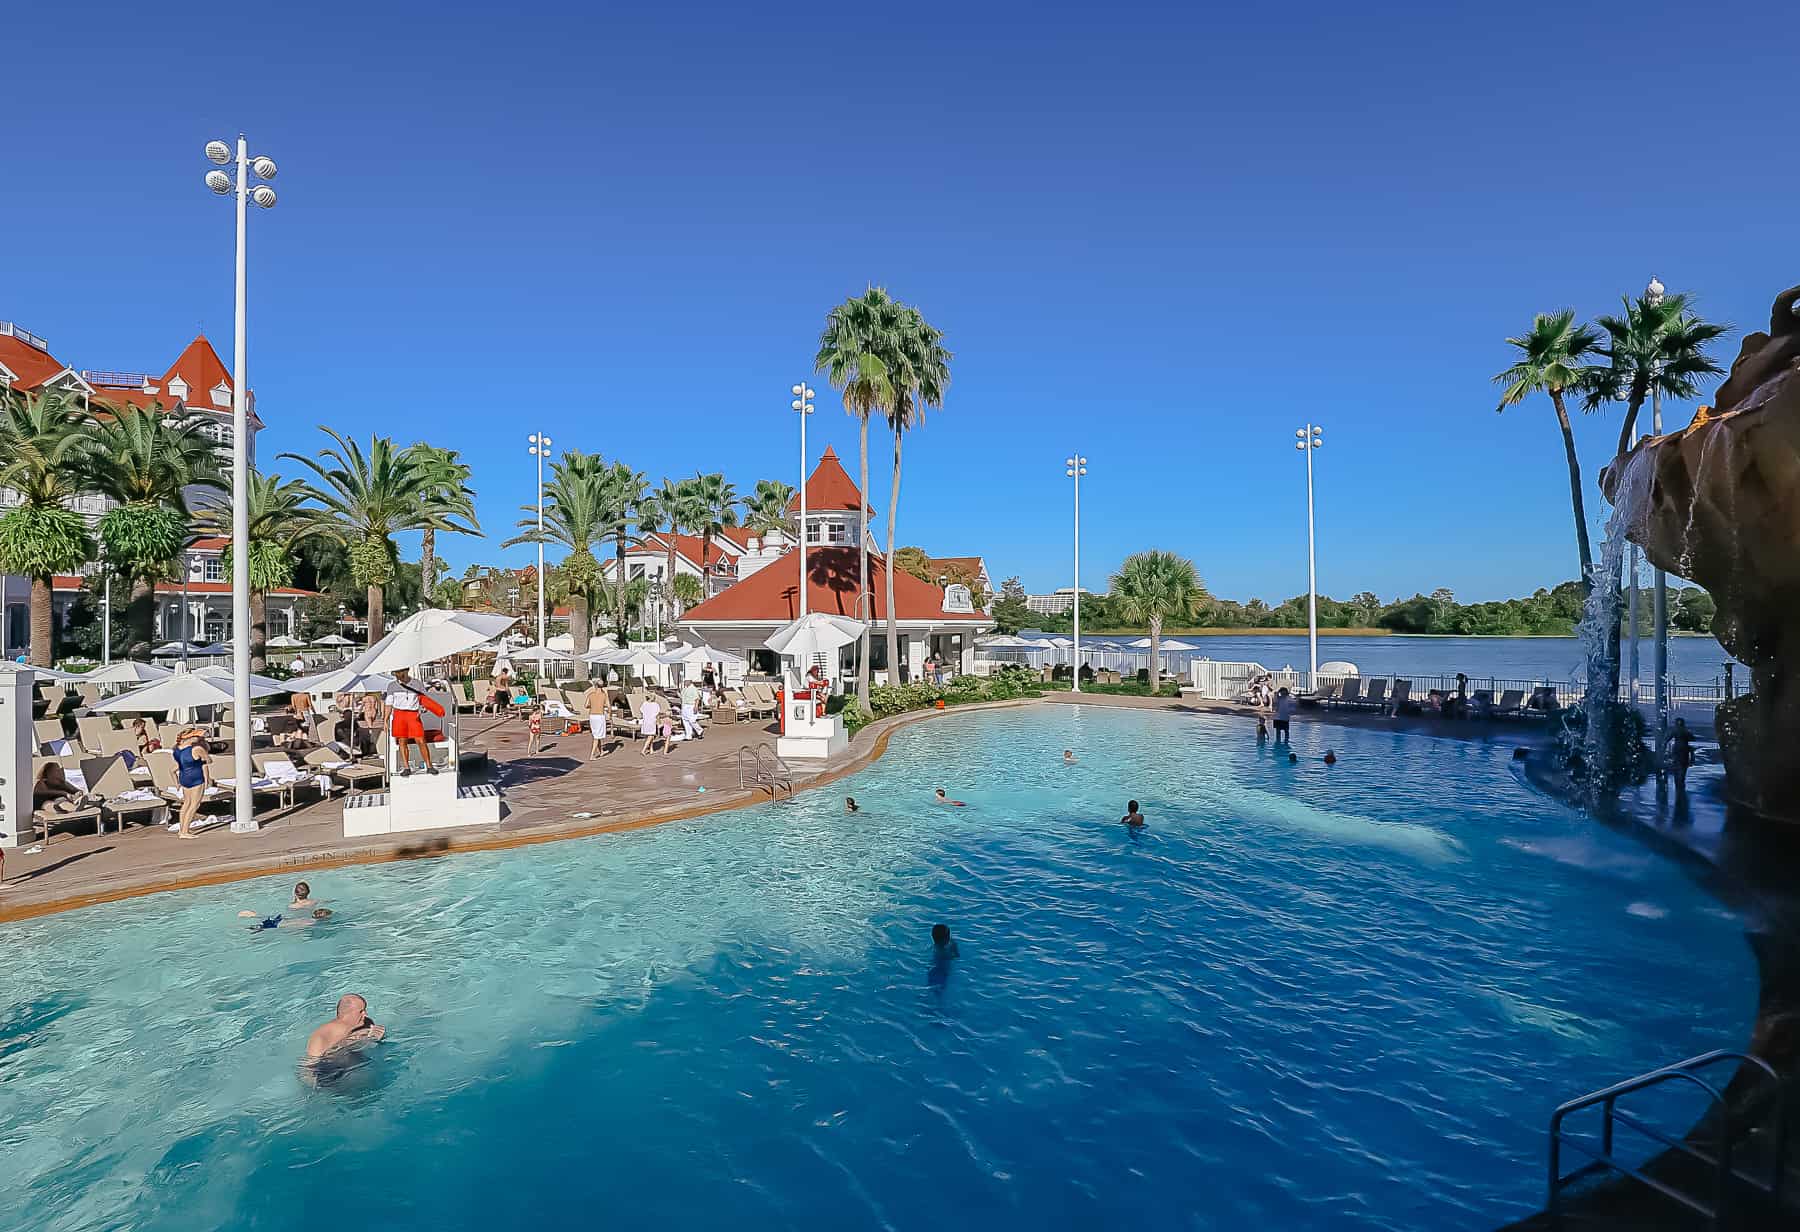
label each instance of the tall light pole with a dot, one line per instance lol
(803, 405)
(1659, 602)
(1075, 466)
(242, 187)
(1310, 438)
(540, 449)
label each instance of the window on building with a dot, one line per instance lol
(839, 533)
(221, 394)
(812, 532)
(178, 388)
(212, 568)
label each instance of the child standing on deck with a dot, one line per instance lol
(536, 726)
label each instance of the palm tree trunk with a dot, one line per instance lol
(862, 573)
(893, 631)
(1575, 497)
(427, 565)
(1155, 653)
(578, 623)
(42, 652)
(706, 540)
(259, 631)
(619, 581)
(1632, 408)
(377, 626)
(142, 609)
(669, 580)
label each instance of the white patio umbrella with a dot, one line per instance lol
(173, 650)
(697, 656)
(284, 642)
(815, 633)
(186, 690)
(46, 673)
(641, 661)
(341, 680)
(1003, 641)
(541, 655)
(267, 683)
(429, 635)
(1169, 643)
(127, 671)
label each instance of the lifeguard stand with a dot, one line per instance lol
(422, 801)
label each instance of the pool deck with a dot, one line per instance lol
(554, 794)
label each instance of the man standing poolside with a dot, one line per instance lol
(690, 710)
(597, 703)
(351, 1026)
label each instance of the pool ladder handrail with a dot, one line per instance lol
(1725, 1174)
(761, 766)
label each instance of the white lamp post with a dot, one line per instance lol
(246, 191)
(540, 449)
(803, 405)
(1659, 601)
(1310, 438)
(1075, 466)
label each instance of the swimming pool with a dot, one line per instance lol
(1304, 998)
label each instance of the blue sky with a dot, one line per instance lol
(1166, 235)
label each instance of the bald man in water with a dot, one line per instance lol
(352, 1025)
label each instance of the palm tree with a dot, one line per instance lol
(674, 504)
(688, 591)
(623, 492)
(368, 498)
(44, 448)
(861, 335)
(765, 509)
(147, 461)
(575, 516)
(920, 373)
(279, 520)
(449, 498)
(1658, 347)
(716, 503)
(1550, 360)
(1152, 587)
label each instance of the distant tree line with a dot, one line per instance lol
(1546, 612)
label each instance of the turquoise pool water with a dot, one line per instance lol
(1304, 998)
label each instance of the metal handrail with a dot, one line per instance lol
(762, 766)
(1607, 1099)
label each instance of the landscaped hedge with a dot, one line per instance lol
(891, 699)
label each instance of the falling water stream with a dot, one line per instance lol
(1597, 631)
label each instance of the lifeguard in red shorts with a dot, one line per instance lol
(404, 725)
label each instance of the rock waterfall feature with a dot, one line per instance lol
(1719, 503)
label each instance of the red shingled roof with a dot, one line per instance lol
(32, 366)
(200, 366)
(688, 547)
(829, 487)
(771, 594)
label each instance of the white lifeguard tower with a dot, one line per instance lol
(420, 800)
(807, 732)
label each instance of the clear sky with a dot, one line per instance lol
(1166, 235)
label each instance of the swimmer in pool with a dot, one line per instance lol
(1068, 757)
(302, 898)
(942, 944)
(851, 806)
(941, 798)
(277, 920)
(351, 1026)
(1330, 758)
(1293, 758)
(1132, 817)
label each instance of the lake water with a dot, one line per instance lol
(1692, 659)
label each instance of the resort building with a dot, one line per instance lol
(197, 384)
(932, 621)
(198, 607)
(1056, 602)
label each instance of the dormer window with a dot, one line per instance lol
(178, 389)
(221, 394)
